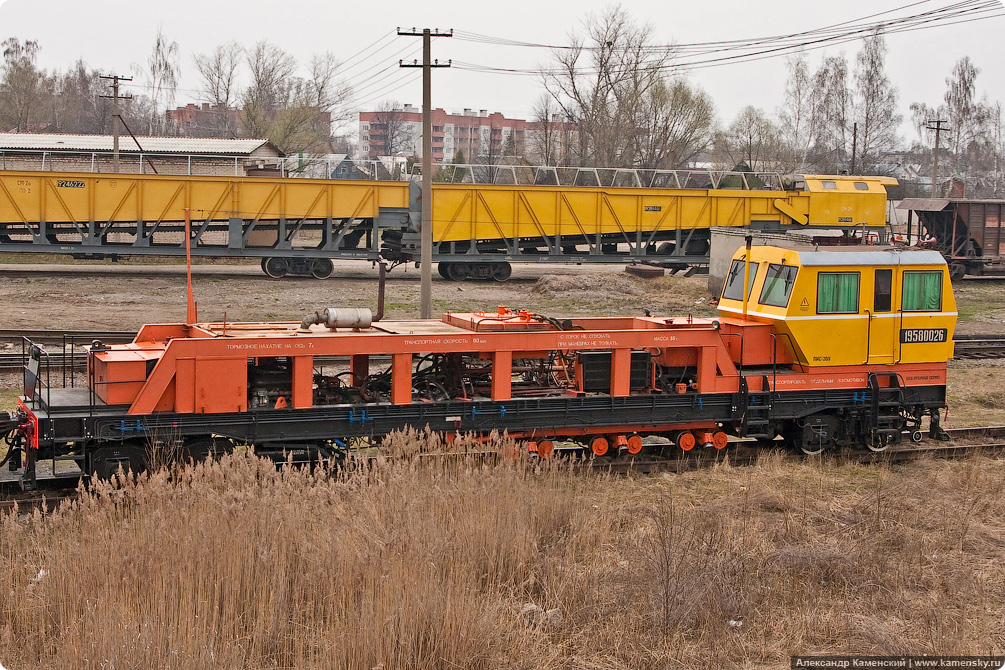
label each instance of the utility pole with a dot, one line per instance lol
(426, 233)
(117, 116)
(938, 128)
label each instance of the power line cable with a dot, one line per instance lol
(977, 11)
(408, 78)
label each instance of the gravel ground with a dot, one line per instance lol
(129, 296)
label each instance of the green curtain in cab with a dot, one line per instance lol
(837, 293)
(922, 291)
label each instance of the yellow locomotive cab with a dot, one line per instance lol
(848, 307)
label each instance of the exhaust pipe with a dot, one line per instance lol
(380, 292)
(340, 317)
(350, 317)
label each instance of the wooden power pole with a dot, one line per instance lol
(117, 116)
(938, 128)
(426, 233)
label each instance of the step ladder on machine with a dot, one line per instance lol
(756, 411)
(885, 422)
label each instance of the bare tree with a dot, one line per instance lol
(751, 141)
(295, 113)
(972, 148)
(674, 124)
(875, 103)
(801, 114)
(601, 81)
(161, 77)
(814, 123)
(327, 92)
(969, 118)
(998, 152)
(389, 123)
(218, 71)
(272, 70)
(22, 85)
(78, 105)
(831, 139)
(545, 136)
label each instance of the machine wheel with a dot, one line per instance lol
(811, 449)
(697, 246)
(276, 268)
(599, 446)
(201, 448)
(322, 268)
(957, 271)
(545, 449)
(106, 461)
(665, 248)
(878, 443)
(442, 269)
(502, 271)
(457, 271)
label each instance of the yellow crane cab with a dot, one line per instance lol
(847, 307)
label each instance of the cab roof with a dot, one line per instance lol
(844, 256)
(871, 257)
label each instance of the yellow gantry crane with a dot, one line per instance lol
(300, 225)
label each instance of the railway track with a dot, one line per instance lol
(979, 346)
(963, 442)
(68, 343)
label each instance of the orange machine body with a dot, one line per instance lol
(204, 368)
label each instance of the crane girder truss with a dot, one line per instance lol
(89, 214)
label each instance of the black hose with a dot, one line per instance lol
(14, 446)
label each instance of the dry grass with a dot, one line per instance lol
(980, 305)
(976, 393)
(418, 564)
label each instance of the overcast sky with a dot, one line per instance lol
(113, 36)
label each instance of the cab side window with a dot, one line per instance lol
(837, 292)
(922, 291)
(734, 280)
(882, 299)
(778, 285)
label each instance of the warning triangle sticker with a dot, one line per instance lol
(804, 303)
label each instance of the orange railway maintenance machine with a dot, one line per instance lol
(833, 348)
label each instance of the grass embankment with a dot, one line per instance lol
(976, 393)
(432, 565)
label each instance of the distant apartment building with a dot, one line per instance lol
(481, 136)
(204, 120)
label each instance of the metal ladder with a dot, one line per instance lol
(886, 401)
(756, 410)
